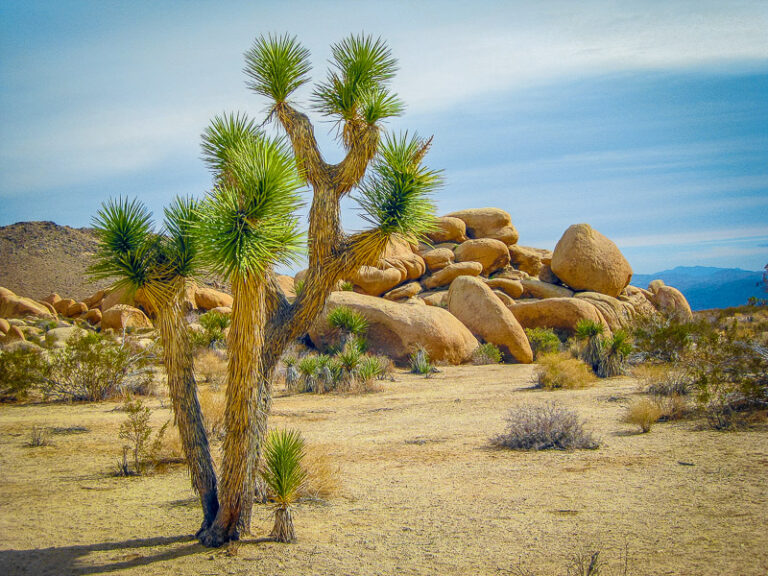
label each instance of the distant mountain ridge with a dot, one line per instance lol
(708, 287)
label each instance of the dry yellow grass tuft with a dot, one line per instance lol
(211, 367)
(644, 413)
(213, 404)
(560, 370)
(323, 476)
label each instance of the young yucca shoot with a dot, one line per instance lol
(284, 475)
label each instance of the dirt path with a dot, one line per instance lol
(423, 492)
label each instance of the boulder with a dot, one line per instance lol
(448, 230)
(117, 296)
(14, 334)
(208, 298)
(399, 254)
(438, 258)
(558, 313)
(655, 285)
(492, 254)
(4, 326)
(287, 285)
(93, 316)
(300, 276)
(397, 330)
(586, 260)
(505, 298)
(226, 310)
(20, 345)
(617, 314)
(546, 275)
(641, 300)
(58, 337)
(76, 309)
(404, 292)
(375, 282)
(528, 259)
(13, 306)
(122, 316)
(511, 274)
(447, 275)
(538, 289)
(669, 300)
(48, 306)
(52, 298)
(512, 288)
(480, 310)
(94, 300)
(61, 306)
(488, 223)
(434, 298)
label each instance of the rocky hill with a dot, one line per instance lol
(37, 258)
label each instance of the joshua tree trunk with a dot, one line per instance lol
(246, 336)
(179, 366)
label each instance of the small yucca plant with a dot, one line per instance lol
(421, 364)
(592, 332)
(284, 476)
(308, 368)
(613, 357)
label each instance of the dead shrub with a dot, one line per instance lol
(544, 427)
(213, 404)
(673, 407)
(663, 379)
(561, 370)
(644, 413)
(39, 436)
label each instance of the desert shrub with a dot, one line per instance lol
(487, 353)
(612, 360)
(93, 367)
(137, 432)
(644, 413)
(591, 333)
(544, 427)
(368, 371)
(665, 338)
(421, 364)
(284, 475)
(213, 334)
(211, 367)
(543, 341)
(21, 372)
(214, 407)
(347, 286)
(39, 436)
(672, 406)
(663, 379)
(560, 370)
(330, 371)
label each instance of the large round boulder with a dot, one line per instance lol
(586, 260)
(404, 292)
(374, 281)
(13, 306)
(480, 310)
(438, 258)
(557, 313)
(488, 223)
(447, 275)
(399, 254)
(208, 298)
(397, 330)
(492, 254)
(122, 316)
(448, 229)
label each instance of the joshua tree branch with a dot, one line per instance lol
(302, 135)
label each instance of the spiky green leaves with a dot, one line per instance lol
(247, 222)
(356, 89)
(225, 134)
(395, 196)
(277, 66)
(126, 243)
(179, 246)
(283, 471)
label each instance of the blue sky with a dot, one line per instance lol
(649, 120)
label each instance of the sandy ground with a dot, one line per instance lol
(423, 491)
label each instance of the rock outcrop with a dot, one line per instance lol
(558, 313)
(488, 223)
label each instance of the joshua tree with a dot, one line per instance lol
(246, 224)
(284, 476)
(160, 265)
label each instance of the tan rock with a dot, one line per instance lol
(94, 300)
(492, 254)
(445, 276)
(655, 285)
(48, 306)
(287, 285)
(528, 259)
(208, 298)
(438, 258)
(122, 316)
(61, 306)
(397, 330)
(669, 300)
(449, 230)
(480, 310)
(557, 313)
(14, 334)
(488, 223)
(546, 274)
(511, 274)
(300, 276)
(512, 288)
(76, 309)
(617, 314)
(586, 260)
(226, 310)
(52, 298)
(93, 316)
(505, 298)
(13, 306)
(538, 289)
(4, 326)
(375, 282)
(117, 296)
(435, 298)
(58, 337)
(404, 292)
(399, 254)
(641, 300)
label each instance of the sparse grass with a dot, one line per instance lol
(347, 286)
(644, 413)
(544, 427)
(213, 404)
(487, 353)
(542, 340)
(211, 367)
(323, 477)
(561, 370)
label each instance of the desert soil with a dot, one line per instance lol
(423, 491)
